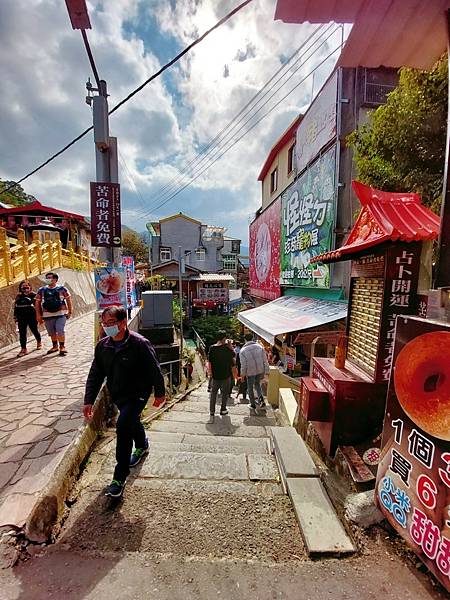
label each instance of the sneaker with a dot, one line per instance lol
(115, 489)
(252, 406)
(138, 454)
(262, 404)
(53, 350)
(39, 346)
(223, 412)
(23, 352)
(210, 420)
(62, 352)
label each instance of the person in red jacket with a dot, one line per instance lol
(128, 362)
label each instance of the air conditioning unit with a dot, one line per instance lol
(157, 309)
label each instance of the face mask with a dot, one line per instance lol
(113, 330)
(49, 280)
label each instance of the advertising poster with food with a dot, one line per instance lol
(128, 264)
(413, 480)
(110, 287)
(307, 224)
(265, 253)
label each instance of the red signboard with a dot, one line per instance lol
(265, 253)
(413, 480)
(105, 215)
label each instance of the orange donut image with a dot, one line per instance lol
(422, 382)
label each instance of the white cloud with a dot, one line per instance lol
(44, 68)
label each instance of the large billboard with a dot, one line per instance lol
(307, 224)
(318, 126)
(413, 479)
(265, 253)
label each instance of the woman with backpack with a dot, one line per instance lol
(54, 307)
(25, 316)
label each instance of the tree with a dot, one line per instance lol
(402, 147)
(132, 245)
(16, 196)
(207, 327)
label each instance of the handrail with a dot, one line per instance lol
(28, 259)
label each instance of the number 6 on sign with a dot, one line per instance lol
(427, 491)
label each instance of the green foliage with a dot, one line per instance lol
(402, 147)
(156, 282)
(207, 327)
(176, 312)
(16, 196)
(133, 245)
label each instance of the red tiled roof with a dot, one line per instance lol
(385, 216)
(284, 139)
(38, 207)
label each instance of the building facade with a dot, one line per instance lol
(307, 204)
(202, 247)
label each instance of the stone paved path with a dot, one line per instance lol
(40, 412)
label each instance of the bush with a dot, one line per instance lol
(207, 327)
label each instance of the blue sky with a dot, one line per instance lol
(162, 129)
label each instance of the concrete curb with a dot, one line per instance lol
(49, 508)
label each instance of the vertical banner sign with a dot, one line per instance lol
(265, 253)
(402, 276)
(318, 126)
(105, 215)
(110, 287)
(413, 480)
(128, 264)
(307, 224)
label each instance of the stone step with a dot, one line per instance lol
(192, 465)
(292, 453)
(322, 531)
(249, 445)
(213, 448)
(221, 426)
(203, 407)
(236, 420)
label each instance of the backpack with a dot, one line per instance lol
(51, 299)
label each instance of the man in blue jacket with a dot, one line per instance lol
(129, 363)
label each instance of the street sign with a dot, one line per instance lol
(105, 215)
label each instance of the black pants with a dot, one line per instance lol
(22, 324)
(129, 429)
(224, 385)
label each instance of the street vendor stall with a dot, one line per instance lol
(389, 253)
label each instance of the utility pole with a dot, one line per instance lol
(106, 159)
(181, 314)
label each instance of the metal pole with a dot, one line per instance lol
(442, 277)
(181, 312)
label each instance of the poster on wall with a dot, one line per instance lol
(413, 479)
(110, 287)
(265, 253)
(307, 224)
(318, 126)
(128, 264)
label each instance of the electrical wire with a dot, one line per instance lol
(134, 92)
(213, 154)
(244, 134)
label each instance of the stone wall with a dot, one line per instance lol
(79, 284)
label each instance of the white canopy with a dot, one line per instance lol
(291, 313)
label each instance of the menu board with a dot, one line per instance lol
(413, 480)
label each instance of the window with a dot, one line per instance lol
(229, 262)
(273, 180)
(165, 254)
(291, 155)
(236, 246)
(200, 254)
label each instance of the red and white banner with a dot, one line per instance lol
(265, 253)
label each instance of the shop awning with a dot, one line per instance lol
(291, 313)
(391, 33)
(385, 216)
